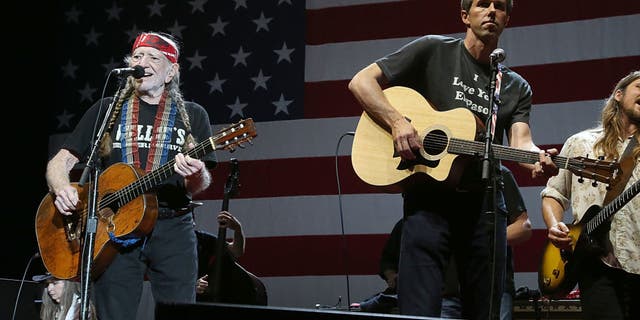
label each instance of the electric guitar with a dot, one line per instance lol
(446, 136)
(558, 268)
(126, 208)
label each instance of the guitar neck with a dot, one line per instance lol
(612, 207)
(476, 148)
(155, 177)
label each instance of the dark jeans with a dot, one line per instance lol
(608, 293)
(167, 259)
(438, 225)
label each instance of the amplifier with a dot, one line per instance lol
(547, 309)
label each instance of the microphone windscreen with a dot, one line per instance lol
(138, 72)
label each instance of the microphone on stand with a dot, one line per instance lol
(136, 72)
(497, 56)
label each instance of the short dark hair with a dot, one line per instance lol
(466, 5)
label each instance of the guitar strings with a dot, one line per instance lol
(132, 190)
(507, 153)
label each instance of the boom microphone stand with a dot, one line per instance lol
(496, 225)
(93, 168)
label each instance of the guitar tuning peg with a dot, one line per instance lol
(232, 150)
(241, 146)
(594, 183)
(581, 179)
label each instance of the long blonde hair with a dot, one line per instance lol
(612, 123)
(51, 310)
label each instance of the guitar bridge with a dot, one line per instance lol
(73, 230)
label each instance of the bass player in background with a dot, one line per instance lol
(440, 222)
(608, 284)
(207, 244)
(234, 284)
(151, 125)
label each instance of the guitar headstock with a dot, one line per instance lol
(235, 135)
(595, 169)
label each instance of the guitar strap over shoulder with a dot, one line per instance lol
(627, 163)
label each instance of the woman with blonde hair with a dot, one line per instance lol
(61, 300)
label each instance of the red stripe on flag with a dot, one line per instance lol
(418, 17)
(307, 176)
(314, 255)
(382, 20)
(325, 255)
(581, 80)
(575, 81)
(527, 255)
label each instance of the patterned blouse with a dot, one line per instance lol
(625, 225)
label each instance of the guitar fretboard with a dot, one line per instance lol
(612, 207)
(598, 170)
(224, 139)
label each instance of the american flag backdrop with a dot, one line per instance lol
(286, 64)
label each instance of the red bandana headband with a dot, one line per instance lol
(168, 47)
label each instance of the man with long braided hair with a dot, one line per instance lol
(608, 284)
(150, 125)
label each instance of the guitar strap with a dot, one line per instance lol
(627, 163)
(494, 113)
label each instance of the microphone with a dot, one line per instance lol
(136, 72)
(497, 55)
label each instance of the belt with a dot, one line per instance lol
(166, 213)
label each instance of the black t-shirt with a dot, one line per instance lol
(444, 72)
(515, 207)
(171, 192)
(391, 250)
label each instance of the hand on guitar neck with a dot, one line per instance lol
(235, 247)
(227, 220)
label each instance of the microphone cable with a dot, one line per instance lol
(344, 238)
(24, 276)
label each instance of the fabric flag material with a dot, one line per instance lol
(286, 64)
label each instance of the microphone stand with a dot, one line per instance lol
(496, 226)
(92, 167)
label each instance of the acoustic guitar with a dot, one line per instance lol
(448, 142)
(126, 208)
(558, 271)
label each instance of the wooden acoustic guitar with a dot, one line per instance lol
(448, 141)
(126, 208)
(558, 273)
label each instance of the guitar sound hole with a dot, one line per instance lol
(110, 209)
(435, 142)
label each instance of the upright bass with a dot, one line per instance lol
(229, 282)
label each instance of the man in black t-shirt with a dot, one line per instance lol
(441, 221)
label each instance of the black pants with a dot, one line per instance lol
(438, 225)
(167, 258)
(608, 293)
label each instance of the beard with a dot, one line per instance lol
(633, 113)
